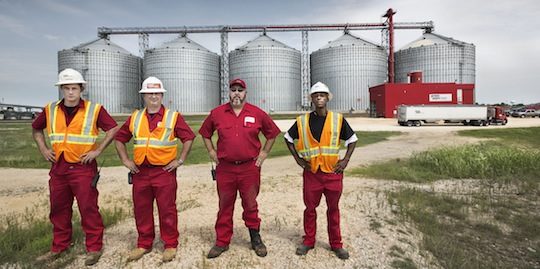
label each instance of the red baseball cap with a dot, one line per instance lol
(237, 81)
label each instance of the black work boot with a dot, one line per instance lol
(257, 243)
(303, 250)
(215, 251)
(341, 253)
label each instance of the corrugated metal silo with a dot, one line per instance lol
(440, 58)
(189, 72)
(271, 71)
(112, 73)
(349, 65)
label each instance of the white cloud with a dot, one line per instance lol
(51, 37)
(63, 7)
(14, 26)
(504, 32)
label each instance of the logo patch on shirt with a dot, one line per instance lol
(248, 120)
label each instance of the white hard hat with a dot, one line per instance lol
(152, 85)
(70, 76)
(321, 87)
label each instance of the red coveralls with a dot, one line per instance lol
(317, 184)
(152, 182)
(72, 180)
(238, 146)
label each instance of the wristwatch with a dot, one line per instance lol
(180, 161)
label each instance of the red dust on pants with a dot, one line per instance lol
(154, 183)
(63, 189)
(315, 185)
(232, 178)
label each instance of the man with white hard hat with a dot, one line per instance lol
(155, 131)
(73, 126)
(317, 152)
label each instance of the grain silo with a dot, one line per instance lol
(349, 65)
(440, 58)
(271, 71)
(189, 72)
(112, 73)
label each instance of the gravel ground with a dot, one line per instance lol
(369, 227)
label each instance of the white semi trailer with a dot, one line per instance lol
(465, 114)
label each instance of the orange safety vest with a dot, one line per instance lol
(158, 146)
(323, 154)
(77, 138)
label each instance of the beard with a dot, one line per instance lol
(237, 101)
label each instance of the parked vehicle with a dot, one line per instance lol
(522, 113)
(464, 114)
(11, 114)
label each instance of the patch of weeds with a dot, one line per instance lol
(374, 225)
(23, 239)
(405, 263)
(457, 238)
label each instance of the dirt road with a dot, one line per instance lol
(369, 227)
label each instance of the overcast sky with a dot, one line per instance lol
(506, 34)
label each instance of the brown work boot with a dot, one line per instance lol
(257, 243)
(137, 253)
(215, 251)
(49, 256)
(92, 257)
(341, 253)
(168, 254)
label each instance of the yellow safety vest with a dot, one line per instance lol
(323, 154)
(77, 138)
(158, 146)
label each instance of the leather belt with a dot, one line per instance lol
(150, 165)
(238, 162)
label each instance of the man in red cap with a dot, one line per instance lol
(239, 158)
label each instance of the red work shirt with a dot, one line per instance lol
(238, 136)
(181, 129)
(104, 121)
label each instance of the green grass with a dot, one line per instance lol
(482, 161)
(480, 230)
(19, 149)
(499, 160)
(25, 237)
(405, 263)
(520, 137)
(458, 238)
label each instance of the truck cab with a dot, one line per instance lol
(496, 115)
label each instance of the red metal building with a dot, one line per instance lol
(385, 98)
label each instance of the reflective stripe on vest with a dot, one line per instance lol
(159, 147)
(322, 155)
(86, 137)
(79, 136)
(163, 141)
(332, 149)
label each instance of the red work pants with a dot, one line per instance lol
(149, 184)
(232, 178)
(63, 188)
(331, 185)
